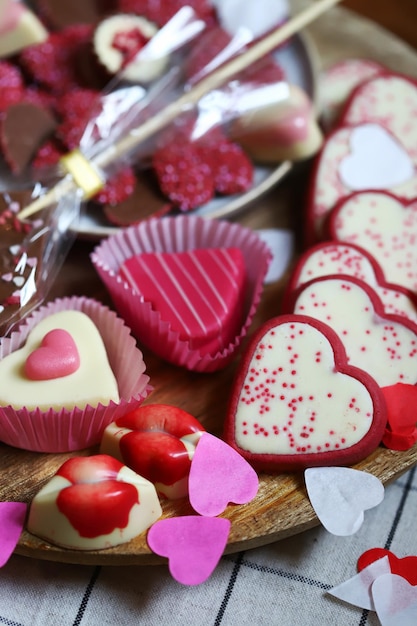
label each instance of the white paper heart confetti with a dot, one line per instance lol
(340, 495)
(358, 589)
(395, 600)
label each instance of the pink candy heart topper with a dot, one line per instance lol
(12, 519)
(57, 356)
(192, 544)
(218, 476)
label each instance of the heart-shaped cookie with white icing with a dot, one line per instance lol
(296, 402)
(373, 148)
(385, 227)
(383, 345)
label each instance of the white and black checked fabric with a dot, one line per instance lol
(283, 584)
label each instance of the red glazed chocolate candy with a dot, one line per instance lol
(93, 503)
(296, 402)
(157, 441)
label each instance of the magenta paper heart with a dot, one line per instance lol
(218, 476)
(12, 519)
(395, 601)
(192, 544)
(57, 356)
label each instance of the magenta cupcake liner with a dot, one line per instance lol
(178, 234)
(68, 430)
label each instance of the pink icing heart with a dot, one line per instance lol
(219, 475)
(12, 519)
(193, 545)
(57, 356)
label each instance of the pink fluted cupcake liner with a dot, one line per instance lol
(178, 234)
(67, 430)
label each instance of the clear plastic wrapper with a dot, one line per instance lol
(196, 129)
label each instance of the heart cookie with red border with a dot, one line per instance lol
(296, 402)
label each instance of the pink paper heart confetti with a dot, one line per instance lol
(218, 476)
(395, 600)
(12, 519)
(192, 544)
(340, 495)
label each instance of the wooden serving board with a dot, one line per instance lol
(281, 508)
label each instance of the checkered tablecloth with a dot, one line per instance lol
(283, 584)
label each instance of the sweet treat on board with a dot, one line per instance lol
(383, 345)
(338, 257)
(63, 363)
(337, 83)
(183, 234)
(93, 503)
(199, 293)
(383, 225)
(373, 148)
(280, 129)
(158, 442)
(117, 42)
(71, 369)
(297, 403)
(19, 28)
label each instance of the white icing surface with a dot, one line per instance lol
(92, 383)
(46, 520)
(293, 400)
(338, 258)
(387, 230)
(376, 161)
(386, 350)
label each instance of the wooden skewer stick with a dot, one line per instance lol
(171, 111)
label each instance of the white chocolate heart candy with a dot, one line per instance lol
(93, 382)
(296, 402)
(93, 503)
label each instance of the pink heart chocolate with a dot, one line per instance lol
(384, 226)
(57, 356)
(383, 345)
(197, 292)
(297, 403)
(193, 545)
